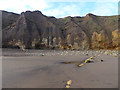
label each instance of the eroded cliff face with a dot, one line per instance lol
(33, 30)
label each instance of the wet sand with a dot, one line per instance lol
(46, 70)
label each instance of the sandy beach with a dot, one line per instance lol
(45, 69)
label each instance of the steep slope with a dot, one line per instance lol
(35, 30)
(8, 18)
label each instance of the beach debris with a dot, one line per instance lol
(100, 60)
(80, 65)
(67, 86)
(69, 82)
(92, 57)
(110, 53)
(86, 60)
(89, 60)
(42, 55)
(106, 52)
(115, 55)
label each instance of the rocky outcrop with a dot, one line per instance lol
(33, 30)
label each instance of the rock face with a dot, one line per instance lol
(33, 30)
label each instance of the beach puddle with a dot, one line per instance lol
(72, 62)
(81, 63)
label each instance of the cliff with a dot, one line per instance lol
(33, 30)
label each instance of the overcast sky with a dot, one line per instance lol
(62, 8)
